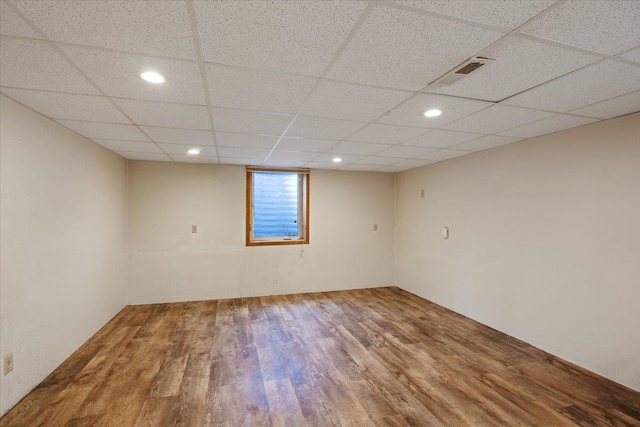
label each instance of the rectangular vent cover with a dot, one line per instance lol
(460, 72)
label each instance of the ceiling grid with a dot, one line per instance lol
(296, 83)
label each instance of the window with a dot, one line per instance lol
(277, 206)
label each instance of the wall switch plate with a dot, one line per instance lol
(8, 363)
(375, 227)
(194, 228)
(445, 232)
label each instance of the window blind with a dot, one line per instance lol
(275, 204)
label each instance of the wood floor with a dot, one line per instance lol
(375, 357)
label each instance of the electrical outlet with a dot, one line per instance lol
(8, 363)
(422, 193)
(375, 227)
(194, 228)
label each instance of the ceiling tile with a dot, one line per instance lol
(244, 140)
(359, 167)
(407, 164)
(405, 152)
(135, 146)
(632, 55)
(396, 48)
(497, 118)
(393, 169)
(346, 158)
(299, 37)
(150, 27)
(163, 114)
(301, 156)
(603, 80)
(243, 153)
(239, 161)
(439, 138)
(306, 144)
(379, 161)
(182, 149)
(12, 25)
(194, 159)
(444, 154)
(153, 157)
(118, 74)
(285, 163)
(602, 26)
(105, 130)
(411, 113)
(179, 136)
(359, 148)
(386, 134)
(69, 106)
(36, 65)
(548, 125)
(520, 64)
(500, 13)
(325, 165)
(257, 90)
(350, 102)
(485, 143)
(243, 121)
(625, 104)
(318, 128)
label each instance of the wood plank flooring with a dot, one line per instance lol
(373, 357)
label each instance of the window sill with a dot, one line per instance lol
(277, 242)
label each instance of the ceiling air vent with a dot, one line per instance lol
(461, 71)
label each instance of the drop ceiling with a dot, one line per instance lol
(297, 83)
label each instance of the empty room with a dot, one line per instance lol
(319, 213)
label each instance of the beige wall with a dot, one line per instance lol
(62, 223)
(169, 263)
(544, 243)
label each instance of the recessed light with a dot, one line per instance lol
(193, 152)
(152, 77)
(337, 160)
(432, 113)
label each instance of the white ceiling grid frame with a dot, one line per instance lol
(63, 105)
(315, 32)
(193, 21)
(115, 131)
(178, 136)
(13, 27)
(268, 91)
(133, 146)
(496, 118)
(614, 107)
(608, 27)
(381, 45)
(390, 134)
(113, 72)
(333, 60)
(485, 143)
(591, 87)
(336, 100)
(154, 157)
(497, 42)
(520, 63)
(546, 126)
(139, 34)
(440, 138)
(162, 114)
(622, 57)
(39, 66)
(69, 61)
